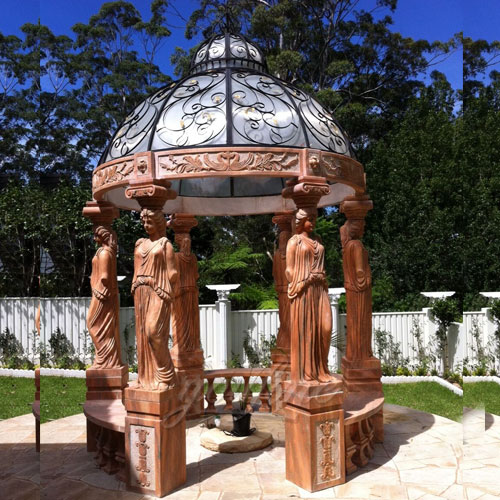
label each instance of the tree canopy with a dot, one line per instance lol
(430, 151)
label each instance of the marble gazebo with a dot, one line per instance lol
(229, 139)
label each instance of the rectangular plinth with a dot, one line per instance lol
(159, 403)
(106, 383)
(362, 375)
(278, 377)
(155, 443)
(315, 397)
(191, 384)
(314, 448)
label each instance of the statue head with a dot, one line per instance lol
(104, 235)
(154, 222)
(353, 229)
(183, 241)
(305, 220)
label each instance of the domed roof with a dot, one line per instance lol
(227, 138)
(228, 100)
(221, 51)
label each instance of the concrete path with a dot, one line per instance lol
(423, 457)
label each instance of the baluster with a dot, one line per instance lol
(247, 395)
(210, 397)
(350, 449)
(228, 395)
(264, 396)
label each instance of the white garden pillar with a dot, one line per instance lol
(223, 307)
(334, 296)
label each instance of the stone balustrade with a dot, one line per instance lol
(228, 375)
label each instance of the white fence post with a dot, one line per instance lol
(223, 307)
(333, 354)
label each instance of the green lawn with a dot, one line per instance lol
(483, 394)
(61, 397)
(16, 396)
(425, 396)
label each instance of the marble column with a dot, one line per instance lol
(361, 370)
(155, 425)
(280, 355)
(186, 351)
(314, 418)
(108, 376)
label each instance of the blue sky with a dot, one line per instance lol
(427, 19)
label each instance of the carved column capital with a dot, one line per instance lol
(151, 195)
(101, 213)
(356, 207)
(283, 220)
(306, 191)
(182, 223)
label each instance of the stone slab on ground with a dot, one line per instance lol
(217, 440)
(416, 441)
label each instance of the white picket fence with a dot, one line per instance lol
(223, 330)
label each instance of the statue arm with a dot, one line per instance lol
(101, 288)
(173, 273)
(363, 278)
(137, 263)
(290, 259)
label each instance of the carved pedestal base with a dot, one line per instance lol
(362, 375)
(155, 441)
(280, 373)
(189, 369)
(314, 434)
(106, 383)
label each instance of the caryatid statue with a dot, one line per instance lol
(187, 354)
(186, 313)
(310, 311)
(103, 313)
(154, 288)
(357, 280)
(284, 223)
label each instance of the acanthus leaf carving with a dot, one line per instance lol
(327, 441)
(230, 161)
(112, 173)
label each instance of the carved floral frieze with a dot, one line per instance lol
(142, 456)
(229, 161)
(327, 446)
(112, 173)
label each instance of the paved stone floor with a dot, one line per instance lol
(423, 457)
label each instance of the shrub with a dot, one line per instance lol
(389, 353)
(259, 356)
(12, 353)
(445, 311)
(62, 352)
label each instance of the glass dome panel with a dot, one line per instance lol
(194, 114)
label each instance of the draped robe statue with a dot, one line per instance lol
(357, 282)
(310, 312)
(102, 316)
(154, 287)
(281, 286)
(186, 317)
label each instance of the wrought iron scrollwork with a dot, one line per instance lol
(194, 114)
(262, 112)
(135, 131)
(322, 129)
